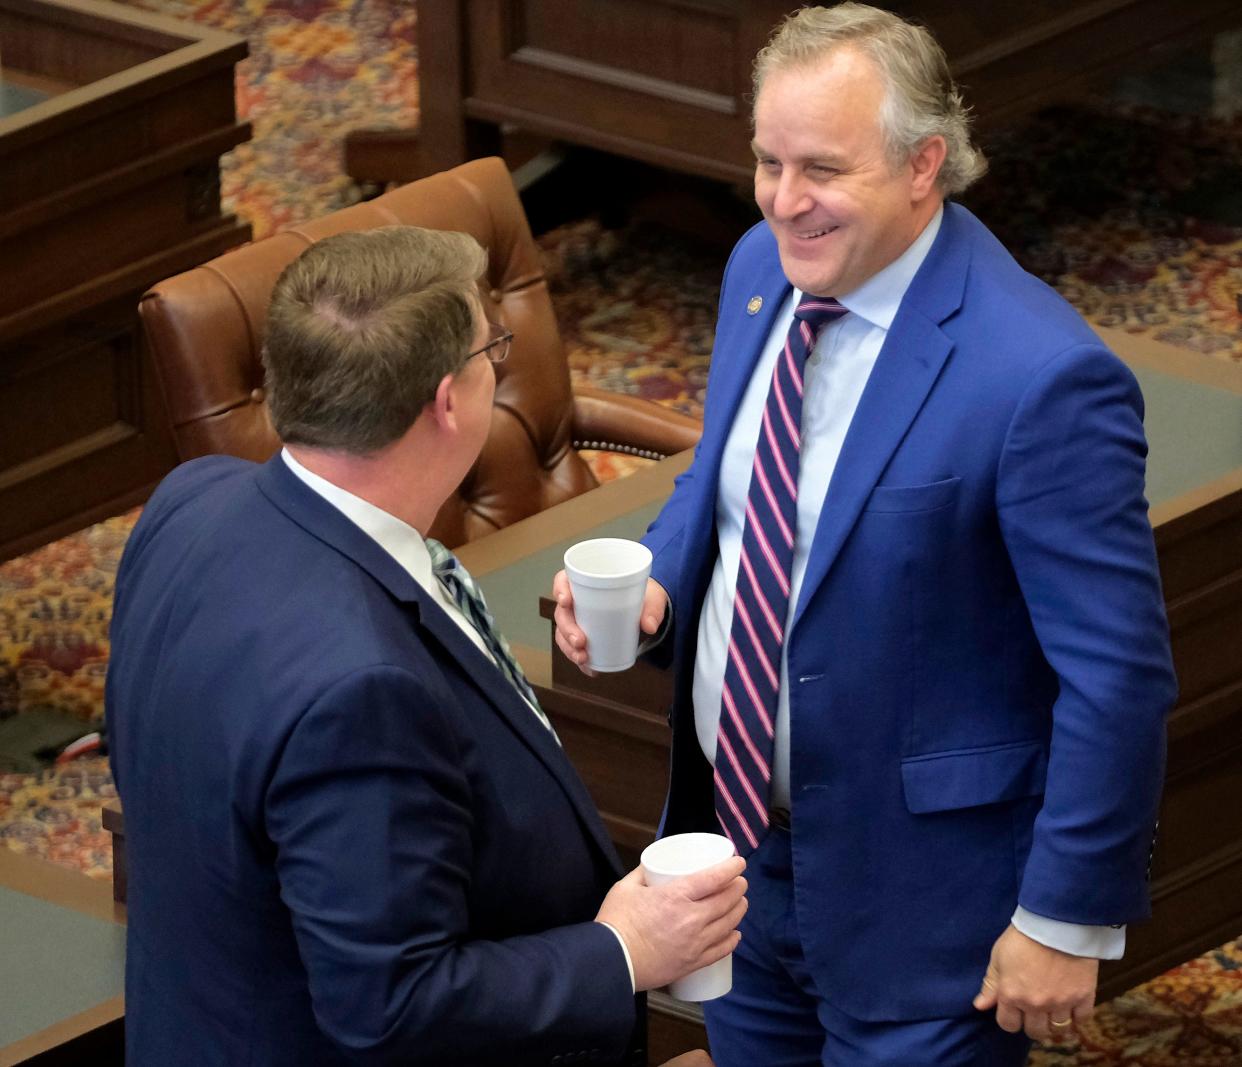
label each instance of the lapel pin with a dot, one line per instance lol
(753, 305)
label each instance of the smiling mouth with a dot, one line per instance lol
(813, 235)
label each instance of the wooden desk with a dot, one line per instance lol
(62, 940)
(109, 181)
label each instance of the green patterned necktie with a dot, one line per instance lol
(466, 594)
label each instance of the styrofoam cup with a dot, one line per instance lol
(608, 576)
(675, 857)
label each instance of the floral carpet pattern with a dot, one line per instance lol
(1135, 216)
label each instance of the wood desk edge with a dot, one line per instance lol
(58, 1034)
(44, 880)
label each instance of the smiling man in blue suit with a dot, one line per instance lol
(922, 660)
(353, 835)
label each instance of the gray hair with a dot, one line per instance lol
(361, 329)
(920, 98)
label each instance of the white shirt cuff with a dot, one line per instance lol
(1095, 942)
(629, 963)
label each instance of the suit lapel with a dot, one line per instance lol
(498, 692)
(740, 340)
(905, 371)
(319, 518)
(743, 344)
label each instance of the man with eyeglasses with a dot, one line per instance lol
(369, 846)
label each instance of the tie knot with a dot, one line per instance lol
(818, 311)
(443, 562)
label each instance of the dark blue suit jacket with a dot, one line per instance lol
(979, 660)
(349, 839)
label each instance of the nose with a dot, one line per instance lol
(790, 199)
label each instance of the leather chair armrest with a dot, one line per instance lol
(614, 422)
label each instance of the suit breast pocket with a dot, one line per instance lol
(896, 499)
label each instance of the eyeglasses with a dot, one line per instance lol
(497, 348)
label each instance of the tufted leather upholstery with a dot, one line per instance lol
(205, 329)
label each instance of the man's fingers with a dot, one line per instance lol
(712, 880)
(723, 928)
(655, 604)
(1060, 1025)
(718, 950)
(728, 921)
(697, 1058)
(634, 877)
(562, 592)
(1008, 1018)
(563, 616)
(572, 652)
(985, 999)
(1037, 1031)
(567, 627)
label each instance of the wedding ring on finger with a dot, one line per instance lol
(1060, 1024)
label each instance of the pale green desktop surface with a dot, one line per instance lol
(67, 962)
(15, 98)
(1194, 432)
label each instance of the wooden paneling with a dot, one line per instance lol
(664, 82)
(678, 51)
(87, 47)
(668, 81)
(104, 189)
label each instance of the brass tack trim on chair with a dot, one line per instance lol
(626, 450)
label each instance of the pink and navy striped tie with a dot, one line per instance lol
(761, 604)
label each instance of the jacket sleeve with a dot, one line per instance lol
(1074, 519)
(370, 813)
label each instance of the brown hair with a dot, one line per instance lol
(362, 327)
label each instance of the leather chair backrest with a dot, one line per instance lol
(205, 328)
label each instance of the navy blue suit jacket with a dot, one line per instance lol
(979, 661)
(349, 839)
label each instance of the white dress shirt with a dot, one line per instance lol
(406, 545)
(836, 374)
(399, 539)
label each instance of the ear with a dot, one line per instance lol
(925, 164)
(443, 406)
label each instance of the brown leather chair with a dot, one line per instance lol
(205, 329)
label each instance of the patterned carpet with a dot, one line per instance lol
(1134, 214)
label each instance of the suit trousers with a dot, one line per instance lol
(776, 1016)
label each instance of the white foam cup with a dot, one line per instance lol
(608, 576)
(675, 857)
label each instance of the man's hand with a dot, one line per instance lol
(673, 929)
(697, 1058)
(569, 636)
(1036, 988)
